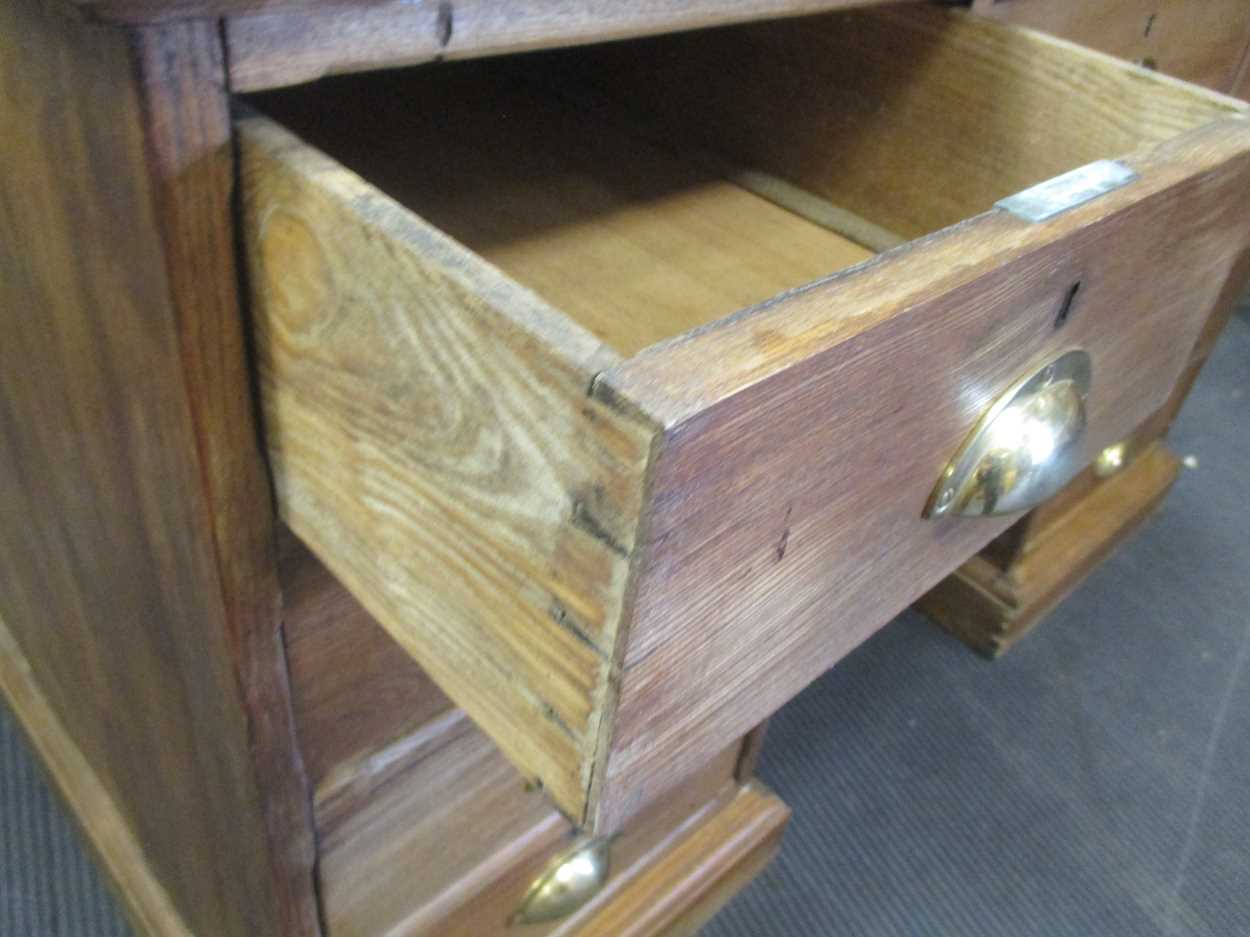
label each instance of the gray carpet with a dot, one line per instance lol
(1094, 782)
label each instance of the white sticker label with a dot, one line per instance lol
(1049, 198)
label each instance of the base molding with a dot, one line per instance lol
(990, 606)
(144, 900)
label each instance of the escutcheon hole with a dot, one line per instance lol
(1065, 308)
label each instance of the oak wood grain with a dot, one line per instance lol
(633, 241)
(1032, 529)
(993, 623)
(133, 575)
(501, 498)
(913, 117)
(638, 848)
(277, 47)
(1199, 42)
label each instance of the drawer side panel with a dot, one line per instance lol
(433, 440)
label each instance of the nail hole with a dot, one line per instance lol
(1065, 308)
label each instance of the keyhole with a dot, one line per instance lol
(1065, 308)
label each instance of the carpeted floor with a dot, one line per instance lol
(1094, 782)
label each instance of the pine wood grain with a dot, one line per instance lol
(1199, 42)
(913, 117)
(132, 570)
(507, 496)
(633, 241)
(302, 43)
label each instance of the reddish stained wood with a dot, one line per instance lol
(814, 414)
(136, 579)
(188, 132)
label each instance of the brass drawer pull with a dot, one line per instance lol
(570, 880)
(1024, 449)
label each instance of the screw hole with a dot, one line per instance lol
(1065, 308)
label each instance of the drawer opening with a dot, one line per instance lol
(637, 241)
(646, 189)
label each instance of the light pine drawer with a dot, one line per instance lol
(620, 409)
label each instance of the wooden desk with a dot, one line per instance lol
(241, 737)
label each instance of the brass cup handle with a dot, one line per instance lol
(1024, 449)
(570, 879)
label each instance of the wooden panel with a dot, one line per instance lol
(291, 46)
(145, 900)
(132, 547)
(462, 803)
(632, 240)
(493, 835)
(1201, 42)
(355, 691)
(481, 504)
(635, 851)
(189, 144)
(786, 503)
(913, 117)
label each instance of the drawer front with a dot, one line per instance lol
(618, 563)
(787, 515)
(452, 847)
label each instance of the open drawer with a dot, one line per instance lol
(616, 382)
